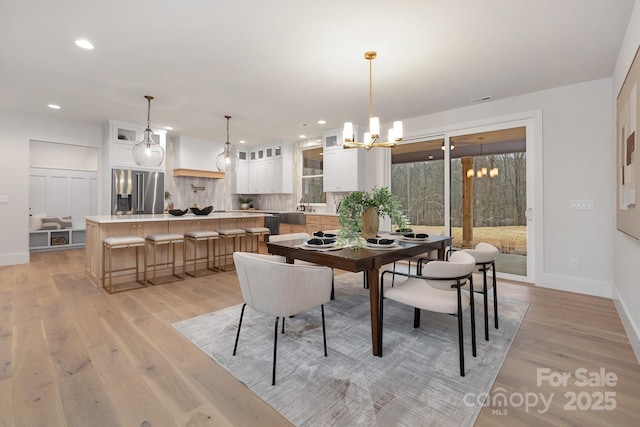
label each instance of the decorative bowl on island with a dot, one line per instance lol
(178, 212)
(202, 211)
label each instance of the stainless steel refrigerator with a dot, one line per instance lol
(136, 192)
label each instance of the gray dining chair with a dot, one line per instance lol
(273, 287)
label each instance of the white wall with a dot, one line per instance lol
(626, 250)
(16, 130)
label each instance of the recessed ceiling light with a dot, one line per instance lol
(54, 106)
(85, 44)
(242, 141)
(168, 128)
(302, 136)
(322, 122)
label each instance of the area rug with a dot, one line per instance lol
(415, 383)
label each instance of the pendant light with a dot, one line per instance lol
(227, 161)
(371, 138)
(148, 152)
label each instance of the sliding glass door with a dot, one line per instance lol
(479, 195)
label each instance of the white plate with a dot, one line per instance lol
(415, 239)
(325, 245)
(378, 245)
(383, 247)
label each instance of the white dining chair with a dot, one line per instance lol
(297, 236)
(437, 289)
(485, 255)
(273, 287)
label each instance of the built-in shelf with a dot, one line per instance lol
(198, 173)
(48, 240)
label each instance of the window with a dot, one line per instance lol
(312, 169)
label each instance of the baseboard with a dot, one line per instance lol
(14, 259)
(598, 288)
(633, 333)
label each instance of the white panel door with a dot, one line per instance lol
(58, 197)
(37, 194)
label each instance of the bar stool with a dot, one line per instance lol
(172, 239)
(254, 232)
(236, 235)
(200, 236)
(122, 242)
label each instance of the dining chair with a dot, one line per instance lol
(437, 289)
(297, 236)
(273, 287)
(485, 255)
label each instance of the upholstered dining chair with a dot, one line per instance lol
(485, 255)
(420, 259)
(271, 286)
(437, 289)
(296, 236)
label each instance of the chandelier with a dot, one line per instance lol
(227, 161)
(371, 138)
(148, 152)
(482, 172)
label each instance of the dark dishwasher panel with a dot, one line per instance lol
(272, 223)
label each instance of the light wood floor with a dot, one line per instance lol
(70, 354)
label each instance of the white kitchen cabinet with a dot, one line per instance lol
(240, 182)
(270, 170)
(257, 176)
(118, 141)
(344, 169)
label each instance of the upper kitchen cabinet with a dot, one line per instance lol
(271, 170)
(119, 139)
(240, 182)
(344, 169)
(196, 157)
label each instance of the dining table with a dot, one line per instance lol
(356, 258)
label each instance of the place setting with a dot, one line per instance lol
(321, 242)
(377, 243)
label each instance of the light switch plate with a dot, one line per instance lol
(581, 204)
(4, 200)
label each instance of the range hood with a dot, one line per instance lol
(195, 157)
(198, 173)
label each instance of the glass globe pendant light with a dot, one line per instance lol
(148, 152)
(227, 161)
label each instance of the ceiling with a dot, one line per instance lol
(279, 67)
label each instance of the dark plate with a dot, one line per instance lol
(178, 212)
(203, 211)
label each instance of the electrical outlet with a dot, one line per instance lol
(4, 200)
(574, 264)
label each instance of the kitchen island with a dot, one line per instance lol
(100, 227)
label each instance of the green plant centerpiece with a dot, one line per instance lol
(244, 202)
(360, 210)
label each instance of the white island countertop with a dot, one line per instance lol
(107, 219)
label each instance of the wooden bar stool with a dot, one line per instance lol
(253, 235)
(172, 239)
(200, 236)
(122, 242)
(236, 235)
